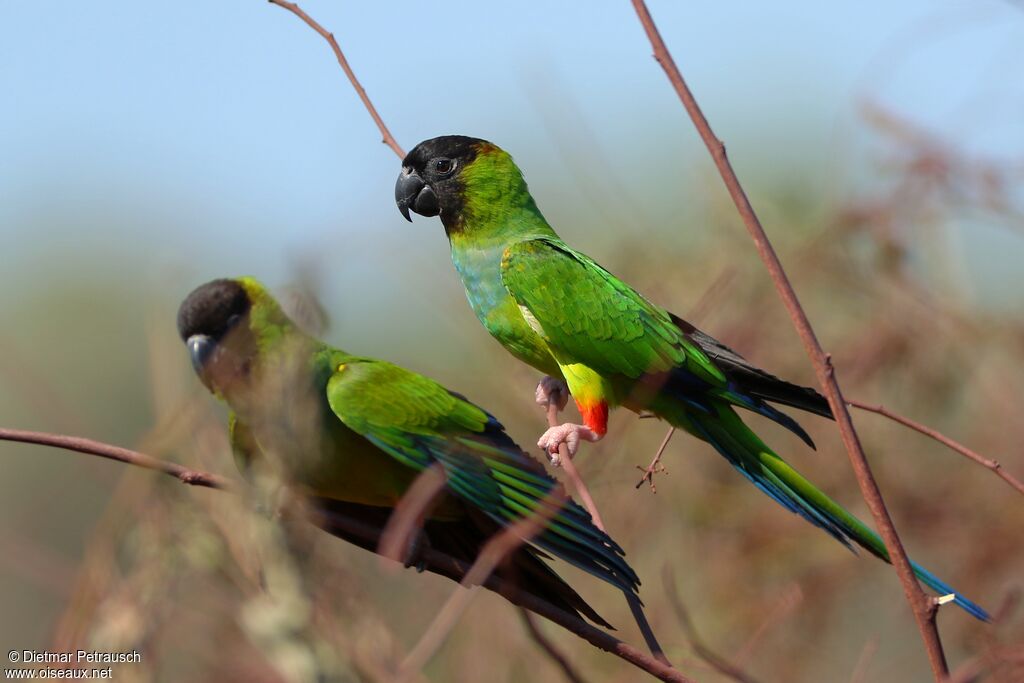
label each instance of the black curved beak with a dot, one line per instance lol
(200, 350)
(412, 193)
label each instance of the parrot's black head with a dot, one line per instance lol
(213, 321)
(431, 182)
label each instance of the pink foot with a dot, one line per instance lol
(569, 434)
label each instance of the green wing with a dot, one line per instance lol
(589, 316)
(419, 422)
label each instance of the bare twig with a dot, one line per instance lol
(920, 604)
(387, 138)
(860, 671)
(103, 450)
(545, 644)
(494, 552)
(655, 465)
(968, 672)
(714, 291)
(784, 606)
(444, 563)
(716, 661)
(571, 473)
(989, 463)
(408, 515)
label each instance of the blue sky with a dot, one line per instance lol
(212, 138)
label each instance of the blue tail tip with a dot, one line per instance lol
(947, 594)
(971, 608)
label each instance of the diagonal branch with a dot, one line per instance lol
(387, 138)
(923, 608)
(571, 473)
(989, 463)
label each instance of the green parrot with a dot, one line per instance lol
(351, 434)
(559, 311)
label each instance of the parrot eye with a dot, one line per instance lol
(443, 166)
(231, 322)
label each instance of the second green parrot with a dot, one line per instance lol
(558, 310)
(351, 434)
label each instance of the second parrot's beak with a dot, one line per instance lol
(412, 193)
(200, 350)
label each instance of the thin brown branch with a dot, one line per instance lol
(444, 563)
(784, 606)
(387, 138)
(867, 654)
(920, 604)
(700, 648)
(410, 512)
(989, 463)
(655, 465)
(103, 450)
(969, 672)
(714, 291)
(494, 552)
(571, 473)
(549, 648)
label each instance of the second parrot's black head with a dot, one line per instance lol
(431, 182)
(213, 321)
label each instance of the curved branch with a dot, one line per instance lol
(921, 605)
(989, 463)
(387, 138)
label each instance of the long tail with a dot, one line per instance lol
(724, 430)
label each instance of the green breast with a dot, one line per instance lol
(479, 266)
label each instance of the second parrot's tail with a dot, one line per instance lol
(724, 430)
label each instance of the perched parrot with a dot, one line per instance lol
(559, 311)
(351, 434)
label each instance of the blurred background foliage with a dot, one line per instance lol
(148, 148)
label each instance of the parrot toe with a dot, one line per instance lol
(570, 434)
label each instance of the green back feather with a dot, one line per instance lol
(419, 422)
